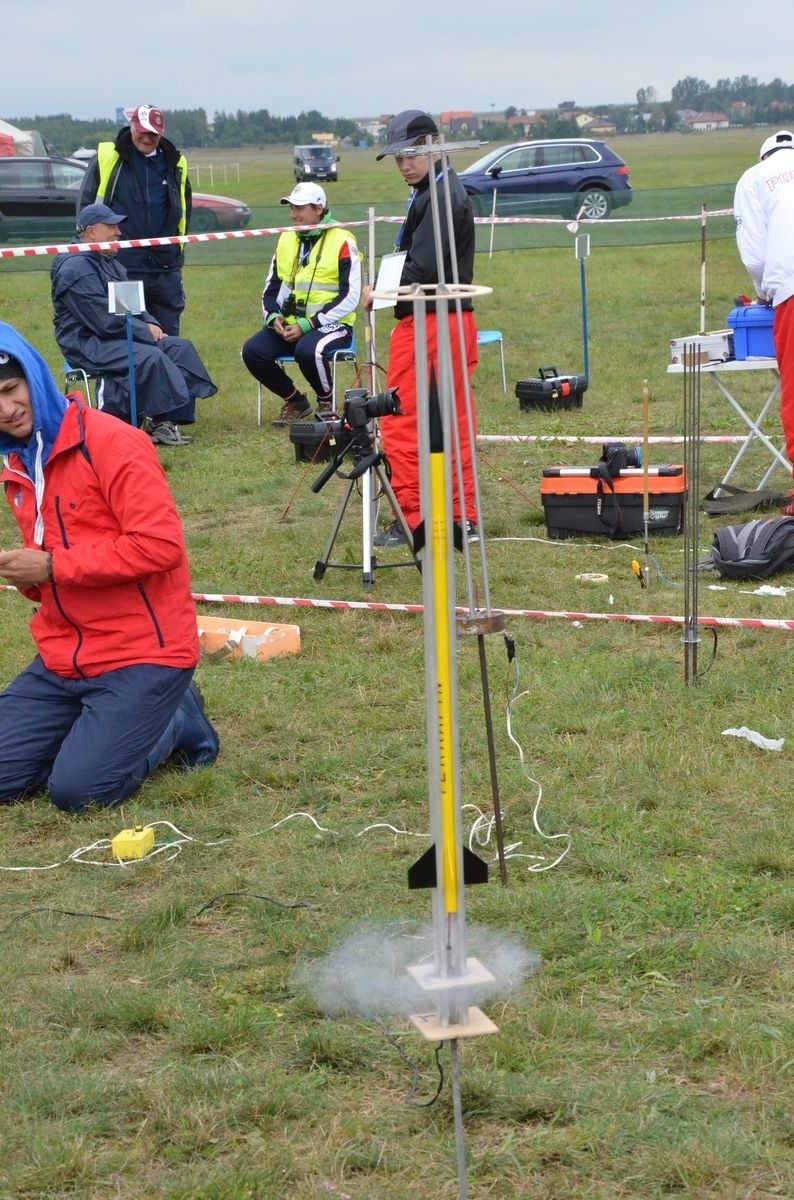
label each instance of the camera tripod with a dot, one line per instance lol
(369, 468)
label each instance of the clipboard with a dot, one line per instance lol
(389, 276)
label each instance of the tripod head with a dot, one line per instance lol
(360, 409)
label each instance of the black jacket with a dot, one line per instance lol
(124, 193)
(416, 238)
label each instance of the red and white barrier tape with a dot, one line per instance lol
(631, 439)
(188, 239)
(536, 614)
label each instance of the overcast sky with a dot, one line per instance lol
(356, 59)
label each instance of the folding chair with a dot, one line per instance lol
(77, 377)
(348, 354)
(487, 337)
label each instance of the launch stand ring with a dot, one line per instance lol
(429, 293)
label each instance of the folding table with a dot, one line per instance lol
(721, 373)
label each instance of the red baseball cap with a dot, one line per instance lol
(149, 118)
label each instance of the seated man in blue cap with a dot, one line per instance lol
(110, 694)
(169, 375)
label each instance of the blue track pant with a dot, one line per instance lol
(96, 740)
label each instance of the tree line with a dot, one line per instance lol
(763, 103)
(189, 127)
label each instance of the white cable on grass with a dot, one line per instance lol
(391, 828)
(171, 848)
(549, 837)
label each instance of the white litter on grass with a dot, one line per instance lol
(717, 587)
(767, 589)
(757, 739)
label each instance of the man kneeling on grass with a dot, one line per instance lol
(110, 695)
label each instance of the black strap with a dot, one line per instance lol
(735, 500)
(605, 478)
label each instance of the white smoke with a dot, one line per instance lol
(367, 974)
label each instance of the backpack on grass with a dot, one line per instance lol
(753, 550)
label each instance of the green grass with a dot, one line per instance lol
(178, 1050)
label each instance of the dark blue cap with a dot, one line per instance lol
(94, 214)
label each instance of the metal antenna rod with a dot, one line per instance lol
(457, 1108)
(477, 624)
(703, 268)
(447, 867)
(646, 423)
(691, 523)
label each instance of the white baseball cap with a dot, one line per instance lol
(782, 140)
(306, 193)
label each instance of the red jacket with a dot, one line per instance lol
(121, 594)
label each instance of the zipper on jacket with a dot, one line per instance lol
(150, 610)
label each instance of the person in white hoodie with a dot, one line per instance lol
(763, 206)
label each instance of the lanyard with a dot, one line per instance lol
(399, 239)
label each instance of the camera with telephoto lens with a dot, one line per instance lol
(359, 410)
(360, 407)
(617, 457)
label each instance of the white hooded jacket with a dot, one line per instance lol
(763, 206)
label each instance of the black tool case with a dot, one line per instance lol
(551, 391)
(319, 440)
(580, 500)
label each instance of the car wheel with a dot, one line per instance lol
(595, 202)
(203, 220)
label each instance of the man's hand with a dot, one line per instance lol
(25, 568)
(157, 333)
(366, 296)
(292, 332)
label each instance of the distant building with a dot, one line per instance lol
(598, 126)
(375, 127)
(525, 124)
(464, 121)
(705, 122)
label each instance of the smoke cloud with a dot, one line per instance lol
(367, 974)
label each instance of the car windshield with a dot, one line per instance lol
(320, 152)
(487, 160)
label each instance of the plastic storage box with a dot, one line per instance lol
(577, 500)
(752, 331)
(319, 441)
(551, 391)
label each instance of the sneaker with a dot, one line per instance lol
(391, 538)
(166, 433)
(296, 409)
(472, 533)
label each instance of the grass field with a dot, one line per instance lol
(167, 1028)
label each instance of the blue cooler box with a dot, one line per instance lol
(752, 331)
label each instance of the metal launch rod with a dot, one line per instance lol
(447, 866)
(691, 523)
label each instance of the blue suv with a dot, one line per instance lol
(564, 175)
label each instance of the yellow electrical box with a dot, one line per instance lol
(132, 843)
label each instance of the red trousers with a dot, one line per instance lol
(783, 331)
(400, 435)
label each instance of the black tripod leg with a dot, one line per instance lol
(322, 563)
